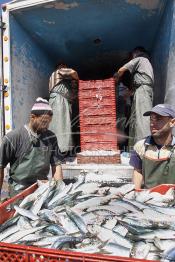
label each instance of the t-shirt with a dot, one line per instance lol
(153, 151)
(17, 142)
(143, 69)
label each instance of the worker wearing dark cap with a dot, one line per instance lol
(153, 158)
(31, 150)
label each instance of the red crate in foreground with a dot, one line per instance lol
(162, 189)
(20, 253)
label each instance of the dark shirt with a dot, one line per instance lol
(18, 142)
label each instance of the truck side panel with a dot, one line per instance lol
(161, 53)
(30, 70)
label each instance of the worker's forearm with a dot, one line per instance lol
(121, 71)
(57, 172)
(137, 179)
(1, 178)
(74, 75)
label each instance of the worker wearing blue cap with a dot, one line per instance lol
(153, 157)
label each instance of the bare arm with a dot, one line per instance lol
(57, 173)
(68, 72)
(120, 72)
(1, 178)
(137, 179)
(74, 75)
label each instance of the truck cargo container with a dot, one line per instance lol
(92, 36)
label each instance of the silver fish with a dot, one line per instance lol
(55, 229)
(140, 250)
(65, 199)
(46, 241)
(105, 234)
(61, 194)
(118, 211)
(163, 244)
(12, 221)
(96, 201)
(49, 215)
(20, 234)
(159, 233)
(116, 249)
(88, 188)
(124, 189)
(63, 240)
(8, 232)
(24, 223)
(26, 213)
(39, 202)
(78, 220)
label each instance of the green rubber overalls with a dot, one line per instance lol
(60, 101)
(159, 171)
(34, 165)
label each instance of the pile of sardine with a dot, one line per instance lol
(95, 218)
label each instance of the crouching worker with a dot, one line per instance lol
(153, 158)
(30, 151)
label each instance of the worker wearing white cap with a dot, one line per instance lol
(31, 150)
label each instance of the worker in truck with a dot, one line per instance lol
(62, 85)
(153, 157)
(142, 88)
(31, 150)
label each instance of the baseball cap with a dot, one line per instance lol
(163, 110)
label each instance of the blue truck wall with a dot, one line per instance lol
(162, 55)
(170, 82)
(30, 72)
(94, 37)
(4, 1)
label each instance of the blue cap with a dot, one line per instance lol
(162, 110)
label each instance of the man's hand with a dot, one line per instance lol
(57, 173)
(137, 179)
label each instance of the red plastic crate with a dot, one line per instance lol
(162, 189)
(97, 105)
(17, 253)
(21, 253)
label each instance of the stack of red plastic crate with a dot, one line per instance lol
(97, 105)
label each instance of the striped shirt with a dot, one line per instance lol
(59, 75)
(153, 151)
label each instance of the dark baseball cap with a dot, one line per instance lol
(162, 110)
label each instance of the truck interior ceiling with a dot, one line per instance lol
(93, 37)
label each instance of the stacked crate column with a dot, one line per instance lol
(97, 104)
